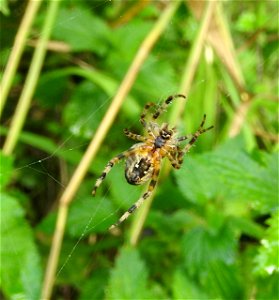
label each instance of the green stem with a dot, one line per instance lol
(31, 80)
(192, 62)
(17, 50)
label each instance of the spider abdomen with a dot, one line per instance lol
(139, 169)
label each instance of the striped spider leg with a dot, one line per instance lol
(143, 160)
(196, 135)
(108, 168)
(161, 108)
(146, 195)
(176, 156)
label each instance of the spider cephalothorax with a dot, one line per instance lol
(143, 160)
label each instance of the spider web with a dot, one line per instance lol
(41, 166)
(38, 165)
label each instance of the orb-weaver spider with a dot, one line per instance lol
(143, 160)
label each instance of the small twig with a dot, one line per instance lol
(130, 13)
(55, 46)
(266, 135)
(240, 115)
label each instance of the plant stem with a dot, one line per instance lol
(17, 49)
(192, 62)
(92, 149)
(31, 80)
(187, 78)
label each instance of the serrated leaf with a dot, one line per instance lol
(167, 225)
(200, 247)
(21, 272)
(229, 173)
(247, 226)
(245, 178)
(267, 260)
(197, 181)
(6, 170)
(128, 279)
(211, 257)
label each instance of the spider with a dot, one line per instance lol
(143, 160)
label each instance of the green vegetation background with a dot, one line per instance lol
(212, 231)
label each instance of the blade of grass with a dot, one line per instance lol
(221, 40)
(17, 49)
(187, 78)
(31, 80)
(92, 149)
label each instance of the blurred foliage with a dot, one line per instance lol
(212, 232)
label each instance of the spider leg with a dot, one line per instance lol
(196, 135)
(183, 138)
(162, 107)
(134, 136)
(143, 115)
(176, 158)
(141, 199)
(108, 167)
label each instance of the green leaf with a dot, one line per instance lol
(211, 257)
(90, 214)
(200, 247)
(130, 38)
(6, 170)
(229, 173)
(82, 30)
(4, 8)
(21, 273)
(267, 287)
(94, 287)
(223, 281)
(128, 279)
(85, 110)
(184, 288)
(267, 260)
(51, 89)
(247, 226)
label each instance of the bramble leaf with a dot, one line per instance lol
(267, 260)
(129, 277)
(229, 174)
(21, 273)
